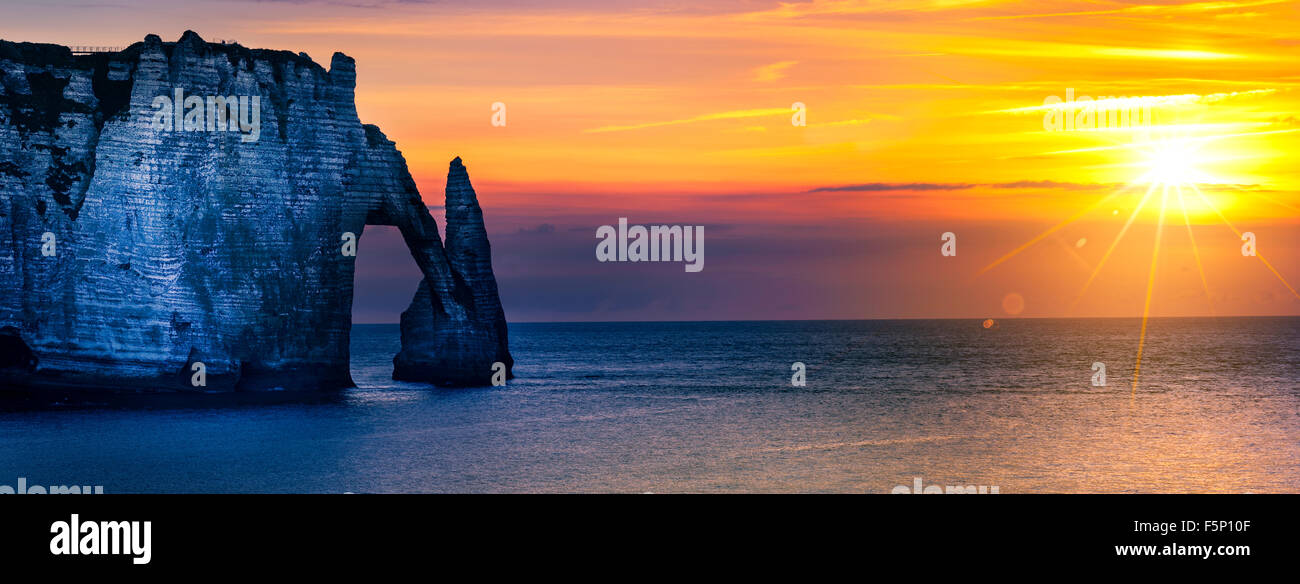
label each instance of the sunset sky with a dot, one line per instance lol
(923, 117)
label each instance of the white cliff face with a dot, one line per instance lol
(176, 246)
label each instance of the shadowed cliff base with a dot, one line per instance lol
(135, 251)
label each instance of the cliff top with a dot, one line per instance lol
(45, 54)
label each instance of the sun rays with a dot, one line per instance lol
(1168, 166)
(1151, 285)
(1238, 233)
(1196, 252)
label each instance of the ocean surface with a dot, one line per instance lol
(709, 407)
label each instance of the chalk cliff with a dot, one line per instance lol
(131, 250)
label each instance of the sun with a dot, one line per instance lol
(1174, 161)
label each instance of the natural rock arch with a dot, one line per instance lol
(183, 246)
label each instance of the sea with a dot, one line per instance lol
(719, 407)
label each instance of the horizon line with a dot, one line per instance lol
(925, 318)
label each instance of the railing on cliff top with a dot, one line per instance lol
(90, 50)
(93, 50)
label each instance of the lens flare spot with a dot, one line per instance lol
(1013, 303)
